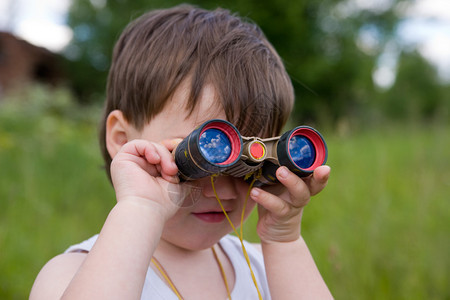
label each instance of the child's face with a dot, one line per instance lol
(199, 225)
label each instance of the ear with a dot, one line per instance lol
(117, 132)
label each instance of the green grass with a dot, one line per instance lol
(380, 230)
(53, 190)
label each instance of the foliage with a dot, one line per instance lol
(52, 185)
(378, 231)
(385, 214)
(96, 26)
(417, 93)
(319, 41)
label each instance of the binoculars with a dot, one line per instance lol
(217, 147)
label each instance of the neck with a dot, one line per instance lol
(211, 266)
(168, 249)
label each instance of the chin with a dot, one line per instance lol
(194, 243)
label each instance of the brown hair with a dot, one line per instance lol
(160, 49)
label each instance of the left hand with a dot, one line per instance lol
(280, 213)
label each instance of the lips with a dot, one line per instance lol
(210, 216)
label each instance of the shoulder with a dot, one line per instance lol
(84, 246)
(56, 275)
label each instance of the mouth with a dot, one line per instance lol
(211, 216)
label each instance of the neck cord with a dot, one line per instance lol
(222, 270)
(166, 276)
(240, 235)
(172, 285)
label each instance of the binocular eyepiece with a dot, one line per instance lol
(217, 147)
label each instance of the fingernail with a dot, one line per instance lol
(255, 192)
(326, 177)
(283, 172)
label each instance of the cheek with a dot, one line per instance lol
(243, 189)
(182, 218)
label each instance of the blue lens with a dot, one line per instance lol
(215, 145)
(302, 151)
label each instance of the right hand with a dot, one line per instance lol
(142, 172)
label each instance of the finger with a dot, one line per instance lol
(137, 148)
(157, 159)
(145, 155)
(171, 144)
(269, 201)
(298, 190)
(319, 179)
(167, 166)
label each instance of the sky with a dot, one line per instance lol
(40, 22)
(426, 26)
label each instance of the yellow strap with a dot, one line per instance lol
(240, 236)
(222, 270)
(172, 285)
(166, 277)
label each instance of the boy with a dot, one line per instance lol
(172, 70)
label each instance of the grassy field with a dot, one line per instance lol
(380, 230)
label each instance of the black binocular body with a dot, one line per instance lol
(217, 147)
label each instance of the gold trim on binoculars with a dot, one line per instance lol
(217, 147)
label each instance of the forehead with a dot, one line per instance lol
(176, 112)
(208, 106)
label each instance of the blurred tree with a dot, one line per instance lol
(96, 25)
(330, 47)
(417, 93)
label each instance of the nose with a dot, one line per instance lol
(224, 186)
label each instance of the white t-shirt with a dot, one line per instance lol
(244, 288)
